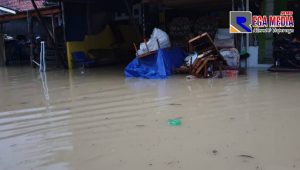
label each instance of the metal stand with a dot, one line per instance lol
(42, 64)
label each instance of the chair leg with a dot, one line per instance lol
(220, 69)
(82, 68)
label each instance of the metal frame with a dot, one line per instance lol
(42, 64)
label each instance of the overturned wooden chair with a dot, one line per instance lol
(209, 59)
(148, 53)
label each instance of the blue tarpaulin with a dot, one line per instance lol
(157, 66)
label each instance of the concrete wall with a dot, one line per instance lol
(103, 40)
(20, 27)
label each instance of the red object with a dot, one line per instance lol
(231, 73)
(21, 5)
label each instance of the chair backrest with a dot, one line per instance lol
(79, 57)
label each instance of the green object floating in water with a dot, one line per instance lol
(174, 122)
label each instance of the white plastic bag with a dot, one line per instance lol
(232, 57)
(157, 34)
(191, 59)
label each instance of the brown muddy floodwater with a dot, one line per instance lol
(101, 121)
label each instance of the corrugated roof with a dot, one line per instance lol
(21, 5)
(191, 3)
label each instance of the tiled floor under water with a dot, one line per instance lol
(99, 120)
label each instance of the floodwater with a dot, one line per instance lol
(98, 120)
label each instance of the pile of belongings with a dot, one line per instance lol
(225, 42)
(159, 39)
(205, 59)
(232, 57)
(155, 59)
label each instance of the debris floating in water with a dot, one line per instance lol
(247, 156)
(175, 104)
(140, 125)
(190, 77)
(174, 122)
(215, 152)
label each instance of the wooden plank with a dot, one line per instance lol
(196, 64)
(147, 54)
(201, 67)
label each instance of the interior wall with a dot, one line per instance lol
(20, 27)
(75, 21)
(104, 40)
(151, 18)
(83, 19)
(99, 19)
(17, 50)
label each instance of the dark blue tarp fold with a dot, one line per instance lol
(157, 66)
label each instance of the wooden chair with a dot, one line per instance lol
(148, 53)
(210, 56)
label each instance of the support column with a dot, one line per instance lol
(268, 54)
(62, 8)
(247, 35)
(63, 17)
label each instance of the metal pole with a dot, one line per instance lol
(41, 57)
(247, 35)
(44, 59)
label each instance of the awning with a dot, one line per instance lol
(191, 3)
(7, 10)
(23, 15)
(110, 5)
